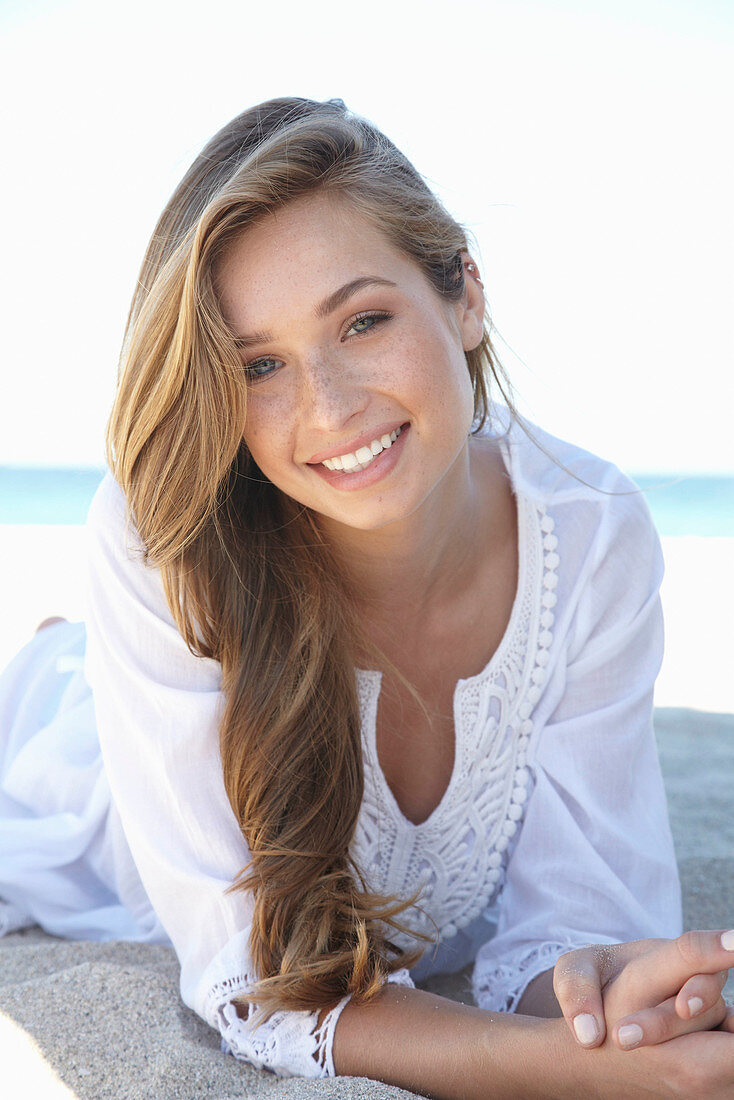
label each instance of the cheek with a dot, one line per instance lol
(266, 435)
(435, 372)
(465, 390)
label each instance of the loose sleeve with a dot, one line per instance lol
(158, 709)
(594, 861)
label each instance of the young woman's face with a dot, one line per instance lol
(359, 396)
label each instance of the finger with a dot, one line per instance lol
(577, 986)
(662, 972)
(727, 1024)
(659, 1024)
(700, 993)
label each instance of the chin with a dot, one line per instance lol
(374, 515)
(369, 520)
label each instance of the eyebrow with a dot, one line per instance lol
(340, 296)
(331, 303)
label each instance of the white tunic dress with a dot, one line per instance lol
(552, 833)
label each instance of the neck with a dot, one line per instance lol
(404, 570)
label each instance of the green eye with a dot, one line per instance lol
(367, 321)
(363, 323)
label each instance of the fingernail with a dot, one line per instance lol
(586, 1028)
(695, 1004)
(630, 1036)
(727, 940)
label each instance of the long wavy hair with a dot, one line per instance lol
(249, 578)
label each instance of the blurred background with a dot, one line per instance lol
(586, 146)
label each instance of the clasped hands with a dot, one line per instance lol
(659, 1000)
(647, 991)
(661, 994)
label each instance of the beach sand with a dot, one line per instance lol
(95, 1021)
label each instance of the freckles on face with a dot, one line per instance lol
(388, 353)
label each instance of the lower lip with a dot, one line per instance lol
(379, 467)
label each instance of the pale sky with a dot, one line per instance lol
(587, 146)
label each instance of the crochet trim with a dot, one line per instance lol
(499, 987)
(459, 855)
(290, 1043)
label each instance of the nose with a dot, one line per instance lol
(331, 394)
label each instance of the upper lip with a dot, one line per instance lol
(358, 441)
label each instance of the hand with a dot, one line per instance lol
(689, 969)
(699, 1065)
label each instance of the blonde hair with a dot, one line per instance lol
(248, 577)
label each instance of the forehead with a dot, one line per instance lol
(302, 252)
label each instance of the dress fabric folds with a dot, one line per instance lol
(552, 832)
(64, 860)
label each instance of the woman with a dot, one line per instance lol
(308, 477)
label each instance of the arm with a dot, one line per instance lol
(453, 1052)
(579, 976)
(594, 861)
(442, 1049)
(157, 710)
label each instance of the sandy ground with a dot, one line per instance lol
(85, 1021)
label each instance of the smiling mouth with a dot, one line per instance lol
(363, 457)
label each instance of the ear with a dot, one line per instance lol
(470, 310)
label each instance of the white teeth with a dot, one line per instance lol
(363, 456)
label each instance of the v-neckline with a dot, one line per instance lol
(373, 679)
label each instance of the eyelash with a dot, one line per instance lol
(376, 315)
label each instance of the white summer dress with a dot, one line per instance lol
(552, 833)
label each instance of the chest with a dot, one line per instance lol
(415, 746)
(415, 729)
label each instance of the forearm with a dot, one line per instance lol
(448, 1051)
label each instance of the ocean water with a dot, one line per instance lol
(680, 505)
